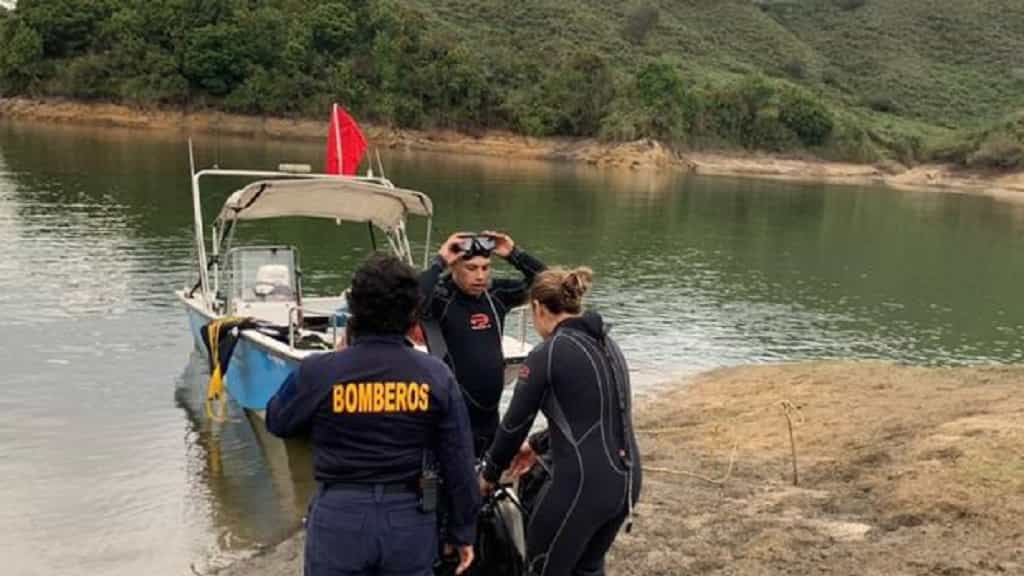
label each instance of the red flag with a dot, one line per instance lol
(345, 144)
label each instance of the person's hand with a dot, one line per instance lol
(342, 341)
(523, 461)
(486, 488)
(503, 243)
(448, 252)
(465, 559)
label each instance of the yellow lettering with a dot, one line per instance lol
(339, 398)
(401, 404)
(378, 397)
(351, 398)
(425, 397)
(365, 397)
(389, 396)
(414, 396)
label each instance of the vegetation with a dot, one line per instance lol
(863, 80)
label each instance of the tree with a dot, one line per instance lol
(20, 54)
(66, 27)
(214, 58)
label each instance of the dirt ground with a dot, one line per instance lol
(639, 155)
(902, 471)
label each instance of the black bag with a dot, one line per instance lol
(500, 546)
(500, 536)
(532, 483)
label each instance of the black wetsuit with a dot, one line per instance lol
(579, 379)
(471, 326)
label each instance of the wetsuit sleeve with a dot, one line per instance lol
(455, 454)
(428, 283)
(290, 411)
(531, 388)
(513, 293)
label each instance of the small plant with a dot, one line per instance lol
(850, 4)
(639, 23)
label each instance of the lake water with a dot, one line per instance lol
(109, 469)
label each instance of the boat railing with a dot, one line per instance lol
(523, 321)
(296, 313)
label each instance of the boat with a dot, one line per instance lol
(257, 289)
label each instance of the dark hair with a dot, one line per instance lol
(385, 296)
(561, 290)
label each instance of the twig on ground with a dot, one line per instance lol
(789, 409)
(718, 482)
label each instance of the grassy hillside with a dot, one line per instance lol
(852, 79)
(948, 62)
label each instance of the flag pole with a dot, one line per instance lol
(337, 138)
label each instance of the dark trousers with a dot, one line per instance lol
(368, 533)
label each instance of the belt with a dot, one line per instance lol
(393, 488)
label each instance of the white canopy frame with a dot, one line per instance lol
(342, 198)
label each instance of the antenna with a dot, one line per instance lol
(191, 159)
(380, 165)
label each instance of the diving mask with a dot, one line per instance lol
(473, 245)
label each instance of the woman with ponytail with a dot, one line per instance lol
(579, 379)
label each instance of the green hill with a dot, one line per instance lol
(851, 79)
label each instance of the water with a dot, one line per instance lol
(109, 468)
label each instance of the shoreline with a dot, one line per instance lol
(638, 155)
(902, 470)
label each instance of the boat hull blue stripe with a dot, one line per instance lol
(254, 373)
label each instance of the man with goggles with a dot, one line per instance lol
(469, 308)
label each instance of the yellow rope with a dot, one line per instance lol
(215, 388)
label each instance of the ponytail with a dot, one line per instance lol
(561, 290)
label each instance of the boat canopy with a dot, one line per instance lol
(342, 199)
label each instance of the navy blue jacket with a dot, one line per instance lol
(373, 411)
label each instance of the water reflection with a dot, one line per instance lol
(251, 488)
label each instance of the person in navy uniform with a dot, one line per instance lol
(377, 412)
(470, 308)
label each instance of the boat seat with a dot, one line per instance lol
(273, 284)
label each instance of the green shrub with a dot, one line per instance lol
(806, 116)
(998, 151)
(639, 23)
(88, 77)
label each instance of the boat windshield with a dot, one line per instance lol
(262, 274)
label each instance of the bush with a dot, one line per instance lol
(998, 151)
(85, 77)
(850, 4)
(883, 104)
(795, 69)
(669, 109)
(807, 117)
(639, 23)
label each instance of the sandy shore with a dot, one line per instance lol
(642, 154)
(902, 471)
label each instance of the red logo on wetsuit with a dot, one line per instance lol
(479, 321)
